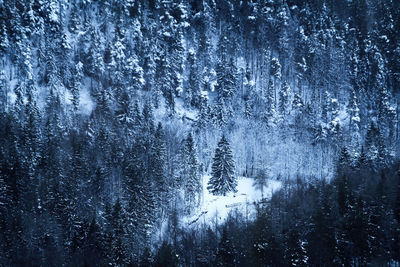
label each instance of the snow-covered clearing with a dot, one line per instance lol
(218, 207)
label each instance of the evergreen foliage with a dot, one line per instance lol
(223, 178)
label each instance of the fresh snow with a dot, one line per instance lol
(86, 104)
(214, 208)
(183, 112)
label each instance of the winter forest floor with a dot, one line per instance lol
(215, 209)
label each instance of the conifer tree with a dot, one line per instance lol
(354, 121)
(134, 73)
(4, 43)
(4, 90)
(295, 254)
(118, 223)
(376, 153)
(76, 84)
(193, 90)
(158, 158)
(275, 73)
(326, 107)
(284, 98)
(75, 20)
(189, 170)
(203, 117)
(223, 178)
(225, 252)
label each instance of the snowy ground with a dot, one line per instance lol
(218, 207)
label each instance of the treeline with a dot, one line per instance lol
(354, 220)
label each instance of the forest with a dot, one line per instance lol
(199, 133)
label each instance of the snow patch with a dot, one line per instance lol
(218, 207)
(86, 104)
(183, 112)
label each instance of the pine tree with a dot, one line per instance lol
(294, 254)
(225, 252)
(4, 43)
(344, 160)
(124, 109)
(158, 155)
(269, 101)
(284, 98)
(298, 110)
(165, 81)
(219, 113)
(376, 153)
(193, 90)
(74, 21)
(24, 55)
(4, 90)
(223, 178)
(76, 84)
(275, 73)
(146, 258)
(203, 117)
(134, 73)
(297, 104)
(260, 180)
(397, 201)
(226, 78)
(326, 107)
(354, 121)
(334, 125)
(321, 243)
(93, 247)
(31, 154)
(189, 170)
(94, 63)
(118, 223)
(166, 256)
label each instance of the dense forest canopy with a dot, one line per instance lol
(114, 113)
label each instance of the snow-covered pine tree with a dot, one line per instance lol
(203, 117)
(157, 168)
(4, 90)
(124, 109)
(354, 122)
(223, 178)
(220, 113)
(226, 79)
(94, 62)
(189, 171)
(134, 73)
(76, 84)
(326, 107)
(284, 98)
(376, 152)
(4, 43)
(193, 90)
(334, 125)
(298, 109)
(275, 72)
(269, 101)
(118, 223)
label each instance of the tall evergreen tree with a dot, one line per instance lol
(223, 178)
(189, 171)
